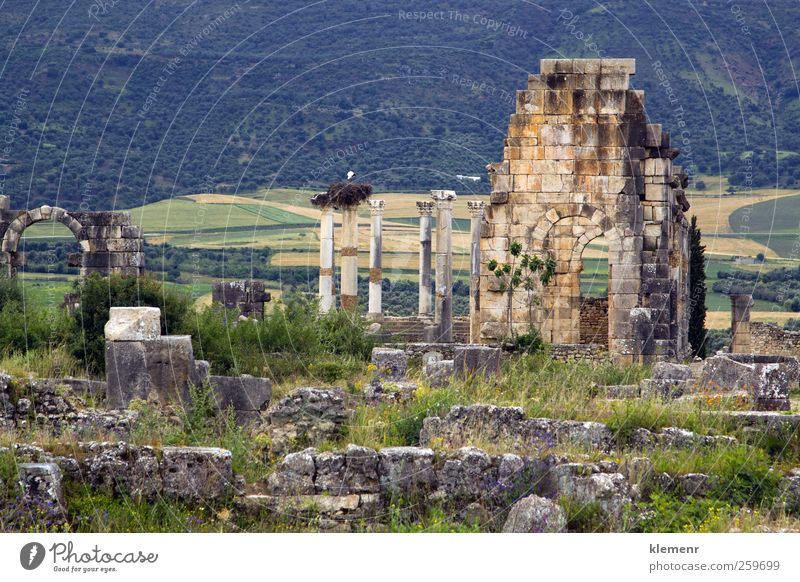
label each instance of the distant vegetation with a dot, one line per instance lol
(119, 110)
(780, 286)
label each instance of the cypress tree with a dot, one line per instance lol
(697, 291)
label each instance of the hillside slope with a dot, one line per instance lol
(115, 105)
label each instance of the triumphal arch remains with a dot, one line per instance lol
(581, 161)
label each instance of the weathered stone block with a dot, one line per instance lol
(133, 324)
(474, 360)
(126, 373)
(196, 473)
(534, 514)
(390, 363)
(406, 470)
(243, 394)
(41, 483)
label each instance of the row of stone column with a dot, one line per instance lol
(442, 309)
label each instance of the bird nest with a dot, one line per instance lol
(343, 194)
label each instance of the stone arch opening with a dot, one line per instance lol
(564, 233)
(15, 257)
(594, 278)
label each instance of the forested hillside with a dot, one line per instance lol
(114, 104)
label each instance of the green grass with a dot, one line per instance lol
(274, 215)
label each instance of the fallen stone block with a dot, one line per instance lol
(382, 391)
(768, 379)
(671, 371)
(307, 416)
(438, 373)
(133, 324)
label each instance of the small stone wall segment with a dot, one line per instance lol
(768, 338)
(581, 161)
(248, 296)
(190, 475)
(594, 321)
(109, 242)
(579, 352)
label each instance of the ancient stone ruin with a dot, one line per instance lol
(580, 162)
(249, 297)
(109, 242)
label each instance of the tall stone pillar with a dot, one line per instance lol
(326, 253)
(476, 217)
(375, 312)
(425, 209)
(349, 293)
(443, 318)
(740, 323)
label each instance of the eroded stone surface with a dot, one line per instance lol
(534, 514)
(136, 324)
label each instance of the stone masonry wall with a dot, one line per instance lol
(769, 339)
(594, 321)
(581, 161)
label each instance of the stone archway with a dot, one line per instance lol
(109, 242)
(563, 233)
(580, 160)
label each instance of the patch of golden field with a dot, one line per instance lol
(722, 319)
(716, 245)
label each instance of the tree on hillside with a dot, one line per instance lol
(697, 291)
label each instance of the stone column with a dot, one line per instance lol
(375, 312)
(444, 264)
(476, 217)
(349, 294)
(425, 210)
(740, 323)
(326, 252)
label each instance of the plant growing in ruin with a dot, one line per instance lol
(523, 271)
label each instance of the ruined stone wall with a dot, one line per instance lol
(109, 241)
(580, 161)
(579, 352)
(769, 339)
(594, 321)
(249, 297)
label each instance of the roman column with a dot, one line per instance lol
(349, 292)
(375, 312)
(476, 217)
(443, 314)
(425, 209)
(740, 323)
(326, 252)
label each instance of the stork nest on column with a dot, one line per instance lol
(343, 194)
